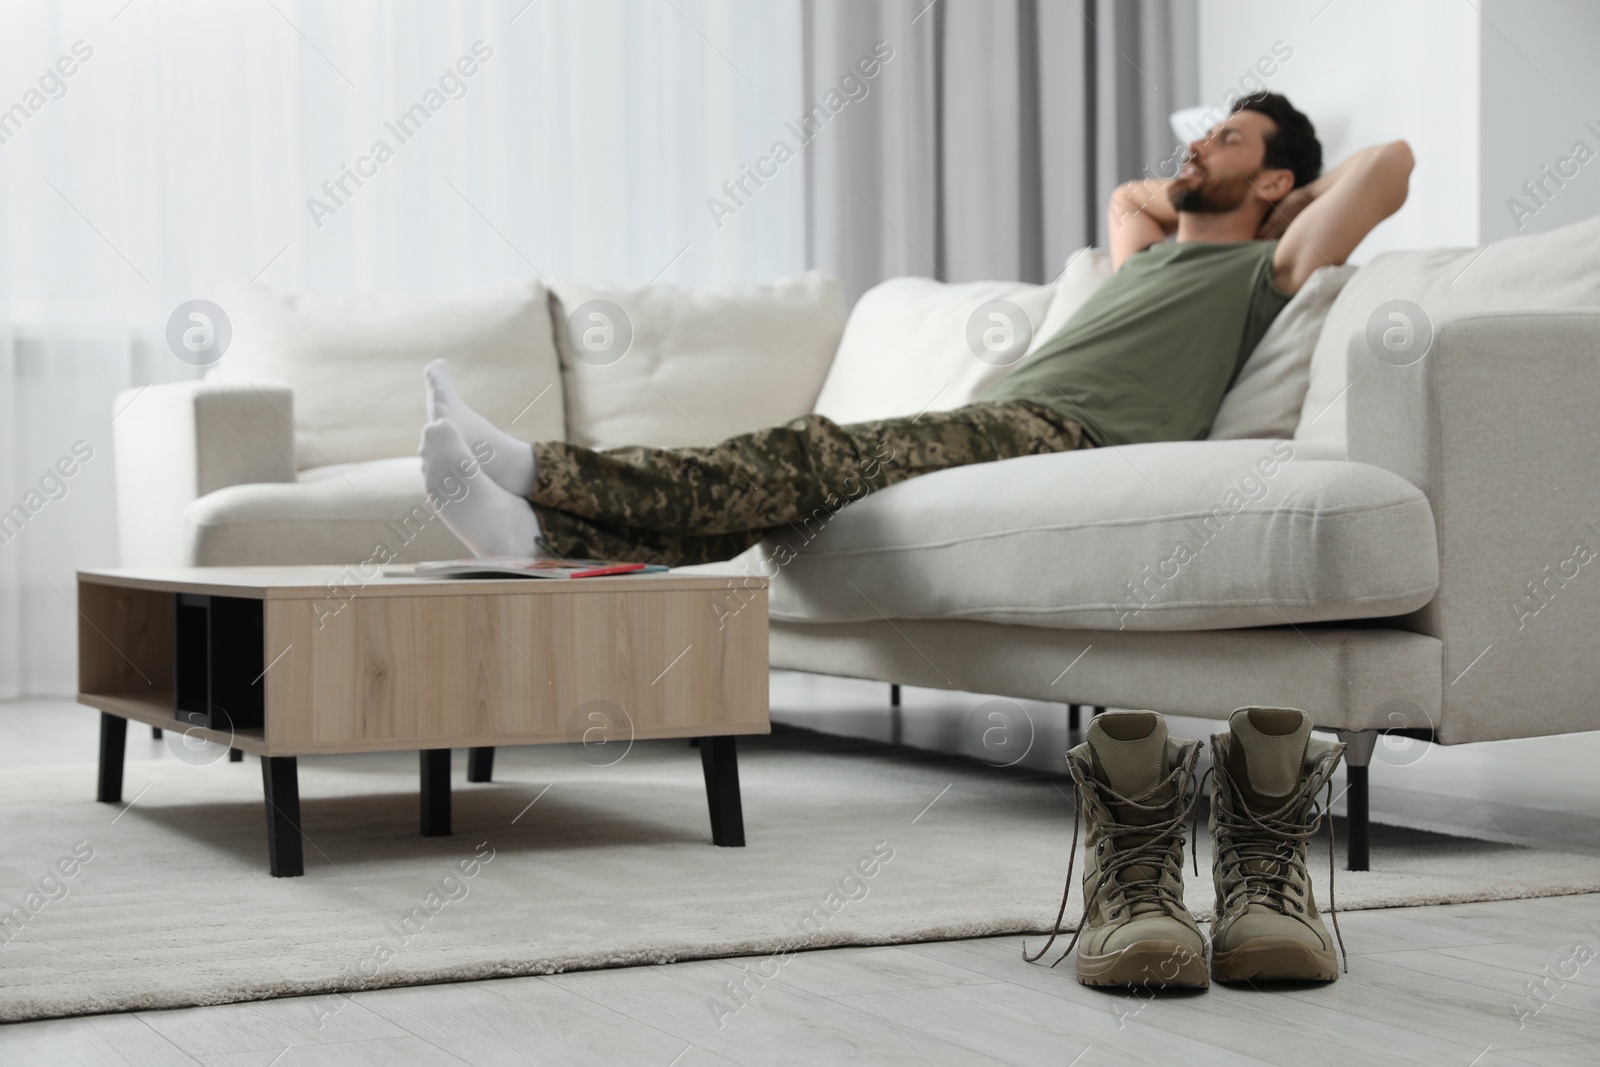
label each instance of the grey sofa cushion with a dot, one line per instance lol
(1171, 536)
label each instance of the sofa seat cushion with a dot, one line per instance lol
(1167, 536)
(361, 514)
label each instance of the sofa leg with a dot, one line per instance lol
(1099, 709)
(1357, 759)
(897, 724)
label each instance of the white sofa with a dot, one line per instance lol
(1398, 543)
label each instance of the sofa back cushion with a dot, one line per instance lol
(906, 329)
(354, 362)
(665, 366)
(1086, 270)
(1554, 270)
(1265, 400)
(915, 344)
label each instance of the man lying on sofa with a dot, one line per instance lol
(1147, 358)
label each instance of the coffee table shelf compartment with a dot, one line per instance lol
(219, 661)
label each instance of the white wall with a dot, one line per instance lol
(1366, 71)
(1540, 100)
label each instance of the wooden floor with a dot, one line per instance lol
(1427, 985)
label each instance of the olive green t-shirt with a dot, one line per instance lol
(1150, 355)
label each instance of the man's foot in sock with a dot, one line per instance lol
(491, 520)
(511, 466)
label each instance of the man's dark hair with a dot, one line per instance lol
(1294, 147)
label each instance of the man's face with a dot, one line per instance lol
(1223, 170)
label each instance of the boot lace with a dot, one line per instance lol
(1261, 857)
(1161, 851)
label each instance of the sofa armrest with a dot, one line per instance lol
(176, 443)
(1495, 425)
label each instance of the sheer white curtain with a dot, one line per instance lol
(181, 150)
(153, 150)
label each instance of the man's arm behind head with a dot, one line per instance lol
(1345, 204)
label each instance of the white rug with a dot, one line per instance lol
(609, 866)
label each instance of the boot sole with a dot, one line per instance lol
(1146, 963)
(1274, 959)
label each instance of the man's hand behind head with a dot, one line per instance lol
(1278, 217)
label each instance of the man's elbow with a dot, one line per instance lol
(1124, 200)
(1399, 162)
(1399, 153)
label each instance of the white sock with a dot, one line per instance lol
(511, 466)
(491, 520)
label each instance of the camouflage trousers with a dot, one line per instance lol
(702, 504)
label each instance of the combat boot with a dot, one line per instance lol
(1266, 771)
(1135, 788)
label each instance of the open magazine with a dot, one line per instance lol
(519, 567)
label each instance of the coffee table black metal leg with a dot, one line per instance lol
(235, 755)
(113, 744)
(280, 784)
(720, 761)
(480, 764)
(155, 733)
(435, 792)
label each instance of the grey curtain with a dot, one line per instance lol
(986, 145)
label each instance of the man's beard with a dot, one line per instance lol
(1216, 198)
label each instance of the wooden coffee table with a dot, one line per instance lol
(286, 662)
